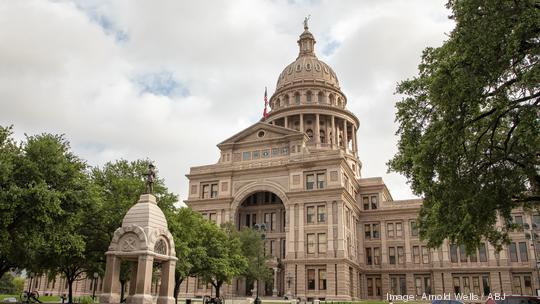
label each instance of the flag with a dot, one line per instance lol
(265, 113)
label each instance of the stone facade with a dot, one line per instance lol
(334, 234)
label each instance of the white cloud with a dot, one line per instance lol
(168, 80)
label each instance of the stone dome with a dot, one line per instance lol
(307, 68)
(145, 213)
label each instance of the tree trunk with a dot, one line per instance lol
(122, 286)
(70, 289)
(177, 282)
(4, 267)
(218, 287)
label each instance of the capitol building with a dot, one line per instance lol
(332, 233)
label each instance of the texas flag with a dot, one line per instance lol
(265, 113)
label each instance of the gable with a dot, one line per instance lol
(259, 132)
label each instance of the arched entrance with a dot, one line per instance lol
(265, 207)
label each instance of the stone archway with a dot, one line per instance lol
(258, 203)
(143, 239)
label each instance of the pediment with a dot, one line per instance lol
(259, 132)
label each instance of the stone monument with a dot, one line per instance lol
(143, 239)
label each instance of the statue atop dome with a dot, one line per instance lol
(306, 22)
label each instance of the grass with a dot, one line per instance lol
(45, 299)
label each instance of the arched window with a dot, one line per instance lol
(286, 100)
(297, 98)
(309, 133)
(308, 96)
(322, 136)
(320, 97)
(332, 99)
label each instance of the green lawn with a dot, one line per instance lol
(45, 299)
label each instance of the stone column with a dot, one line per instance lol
(355, 148)
(166, 295)
(330, 239)
(345, 138)
(286, 122)
(317, 130)
(301, 122)
(340, 231)
(334, 132)
(144, 281)
(300, 251)
(290, 237)
(111, 282)
(274, 290)
(132, 282)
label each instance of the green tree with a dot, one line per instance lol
(7, 285)
(187, 228)
(223, 259)
(252, 245)
(469, 123)
(53, 192)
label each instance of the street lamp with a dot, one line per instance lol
(95, 281)
(261, 228)
(533, 237)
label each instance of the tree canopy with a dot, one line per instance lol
(469, 124)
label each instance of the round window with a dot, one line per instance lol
(260, 134)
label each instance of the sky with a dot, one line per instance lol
(168, 80)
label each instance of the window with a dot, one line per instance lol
(399, 230)
(321, 241)
(310, 181)
(390, 230)
(394, 229)
(523, 252)
(371, 231)
(269, 220)
(398, 285)
(246, 155)
(414, 228)
(453, 253)
(401, 255)
(425, 255)
(365, 202)
(272, 247)
(376, 256)
(373, 286)
(321, 213)
(483, 253)
(308, 96)
(369, 257)
(265, 153)
(518, 219)
(310, 214)
(370, 202)
(209, 190)
(536, 222)
(422, 284)
(275, 152)
(311, 243)
(513, 252)
(416, 254)
(322, 136)
(457, 287)
(462, 254)
(311, 279)
(392, 255)
(521, 284)
(297, 98)
(212, 217)
(322, 279)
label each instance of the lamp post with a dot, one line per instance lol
(94, 290)
(261, 228)
(533, 237)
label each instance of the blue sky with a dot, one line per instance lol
(168, 80)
